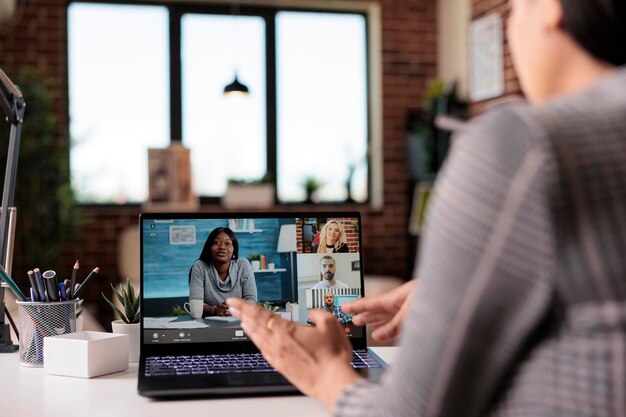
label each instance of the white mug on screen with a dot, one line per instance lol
(194, 307)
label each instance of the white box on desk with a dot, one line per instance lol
(85, 354)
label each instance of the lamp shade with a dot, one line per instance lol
(236, 87)
(287, 239)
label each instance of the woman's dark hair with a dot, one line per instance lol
(205, 255)
(599, 26)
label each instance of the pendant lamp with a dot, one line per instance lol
(236, 88)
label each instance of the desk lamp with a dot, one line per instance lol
(13, 107)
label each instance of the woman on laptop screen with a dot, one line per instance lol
(219, 273)
(332, 238)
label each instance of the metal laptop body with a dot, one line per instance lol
(172, 242)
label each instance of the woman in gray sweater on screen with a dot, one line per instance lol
(520, 309)
(219, 273)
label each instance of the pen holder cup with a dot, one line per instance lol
(38, 320)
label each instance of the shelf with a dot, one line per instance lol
(247, 230)
(270, 270)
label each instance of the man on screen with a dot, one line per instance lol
(327, 275)
(329, 305)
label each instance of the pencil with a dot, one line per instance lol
(84, 284)
(74, 271)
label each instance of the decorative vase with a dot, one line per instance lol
(132, 330)
(256, 265)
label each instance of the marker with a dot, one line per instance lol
(52, 286)
(40, 285)
(84, 284)
(67, 283)
(12, 285)
(62, 291)
(34, 296)
(73, 282)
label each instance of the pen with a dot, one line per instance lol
(33, 286)
(40, 285)
(84, 284)
(50, 278)
(12, 285)
(73, 282)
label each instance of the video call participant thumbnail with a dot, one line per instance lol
(219, 274)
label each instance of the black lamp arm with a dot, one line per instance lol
(11, 100)
(13, 107)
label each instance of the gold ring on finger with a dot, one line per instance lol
(270, 323)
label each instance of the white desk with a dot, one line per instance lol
(31, 392)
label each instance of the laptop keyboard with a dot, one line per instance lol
(218, 364)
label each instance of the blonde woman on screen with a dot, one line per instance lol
(332, 238)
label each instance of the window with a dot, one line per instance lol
(308, 115)
(219, 128)
(322, 104)
(119, 105)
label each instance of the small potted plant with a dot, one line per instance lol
(129, 317)
(255, 260)
(246, 194)
(270, 264)
(311, 185)
(268, 306)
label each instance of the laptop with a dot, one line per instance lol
(211, 355)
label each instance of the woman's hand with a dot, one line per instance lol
(384, 312)
(221, 310)
(216, 310)
(315, 359)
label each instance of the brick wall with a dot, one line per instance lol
(481, 8)
(408, 60)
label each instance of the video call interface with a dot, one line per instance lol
(287, 265)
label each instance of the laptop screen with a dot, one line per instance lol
(288, 263)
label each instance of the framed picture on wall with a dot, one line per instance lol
(486, 62)
(356, 265)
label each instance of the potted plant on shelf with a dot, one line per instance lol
(129, 318)
(255, 260)
(311, 185)
(245, 194)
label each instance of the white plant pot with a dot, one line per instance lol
(256, 265)
(132, 330)
(249, 196)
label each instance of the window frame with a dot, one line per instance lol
(372, 15)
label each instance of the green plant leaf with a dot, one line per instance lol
(114, 307)
(130, 290)
(136, 317)
(118, 295)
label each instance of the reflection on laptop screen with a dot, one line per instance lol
(289, 265)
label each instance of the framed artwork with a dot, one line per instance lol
(356, 265)
(169, 180)
(486, 61)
